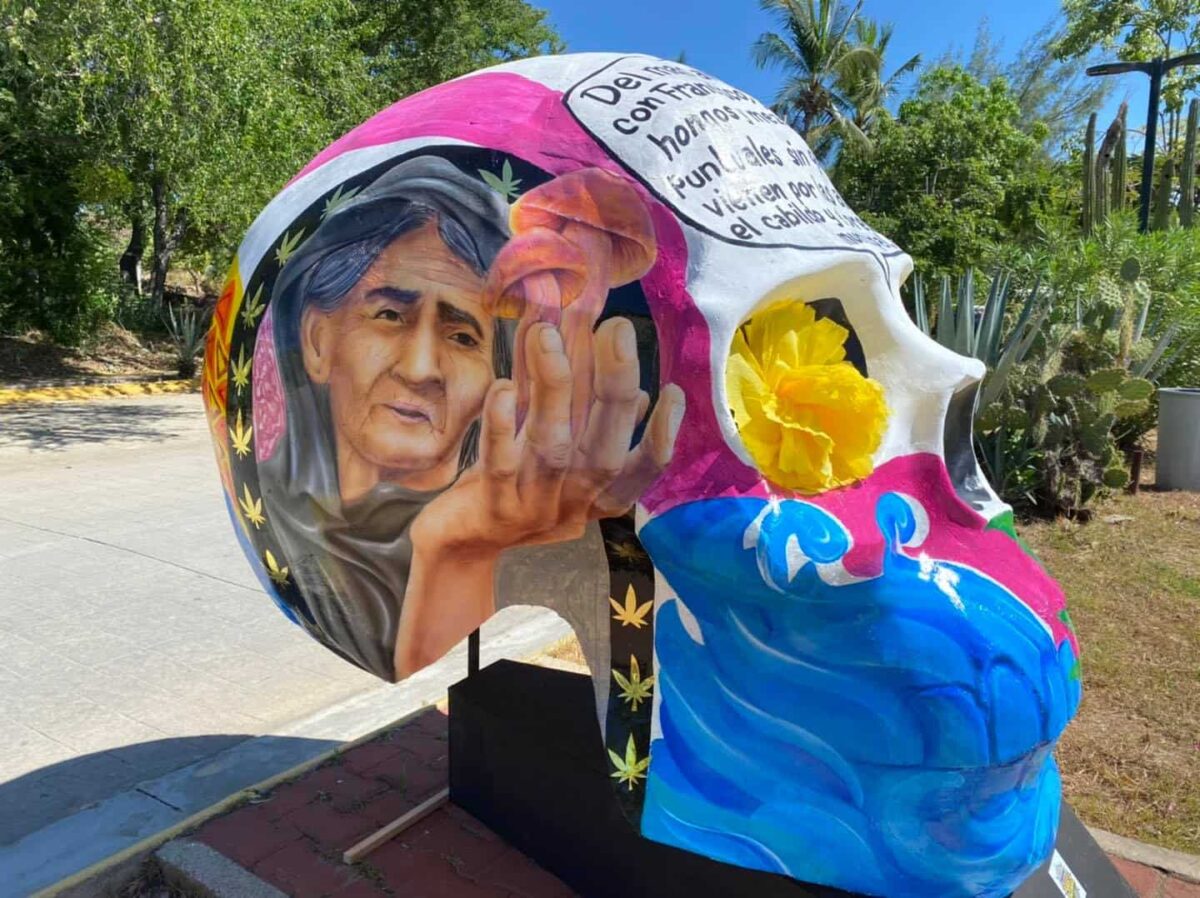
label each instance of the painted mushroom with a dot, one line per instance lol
(605, 217)
(533, 278)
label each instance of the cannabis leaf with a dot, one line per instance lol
(254, 307)
(505, 185)
(287, 246)
(241, 370)
(339, 199)
(252, 508)
(240, 436)
(278, 575)
(630, 768)
(634, 689)
(631, 614)
(627, 551)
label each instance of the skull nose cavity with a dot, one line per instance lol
(959, 442)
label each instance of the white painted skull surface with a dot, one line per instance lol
(818, 647)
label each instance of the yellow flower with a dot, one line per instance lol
(808, 418)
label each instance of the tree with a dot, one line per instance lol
(865, 88)
(188, 115)
(412, 44)
(819, 56)
(952, 175)
(51, 265)
(1053, 94)
(1139, 30)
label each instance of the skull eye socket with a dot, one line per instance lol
(806, 411)
(833, 309)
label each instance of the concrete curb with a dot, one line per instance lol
(1175, 863)
(195, 866)
(34, 395)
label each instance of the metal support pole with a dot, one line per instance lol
(473, 653)
(1155, 69)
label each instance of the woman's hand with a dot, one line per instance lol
(545, 483)
(540, 485)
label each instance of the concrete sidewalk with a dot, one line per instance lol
(134, 639)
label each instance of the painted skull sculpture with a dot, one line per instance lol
(818, 647)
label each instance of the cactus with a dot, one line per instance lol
(1130, 409)
(1162, 197)
(1067, 384)
(1060, 405)
(1106, 380)
(1089, 176)
(1120, 162)
(1187, 173)
(1115, 478)
(1135, 389)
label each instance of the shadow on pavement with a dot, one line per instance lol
(43, 796)
(62, 425)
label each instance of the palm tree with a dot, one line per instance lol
(864, 87)
(818, 54)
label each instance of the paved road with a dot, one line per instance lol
(134, 639)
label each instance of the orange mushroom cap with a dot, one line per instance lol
(601, 200)
(539, 251)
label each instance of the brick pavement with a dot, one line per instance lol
(1151, 883)
(294, 837)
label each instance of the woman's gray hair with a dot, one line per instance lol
(350, 563)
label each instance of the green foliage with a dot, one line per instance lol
(952, 175)
(1139, 30)
(821, 60)
(187, 327)
(1187, 170)
(186, 116)
(1061, 403)
(1050, 92)
(409, 45)
(958, 328)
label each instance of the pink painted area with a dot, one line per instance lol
(270, 411)
(494, 109)
(956, 532)
(515, 115)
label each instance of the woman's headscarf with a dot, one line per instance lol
(351, 563)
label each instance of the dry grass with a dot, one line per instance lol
(568, 650)
(111, 351)
(1131, 759)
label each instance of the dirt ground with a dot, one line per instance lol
(1131, 759)
(112, 352)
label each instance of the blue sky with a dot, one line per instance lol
(717, 34)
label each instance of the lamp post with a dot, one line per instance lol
(1156, 68)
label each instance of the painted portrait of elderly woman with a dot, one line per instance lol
(449, 397)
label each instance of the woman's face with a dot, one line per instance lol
(407, 357)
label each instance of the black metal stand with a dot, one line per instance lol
(526, 758)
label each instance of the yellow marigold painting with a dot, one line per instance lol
(809, 419)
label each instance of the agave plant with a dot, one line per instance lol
(188, 328)
(961, 326)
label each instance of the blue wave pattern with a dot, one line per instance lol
(891, 736)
